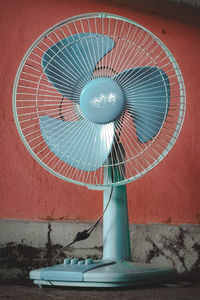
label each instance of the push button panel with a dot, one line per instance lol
(74, 261)
(72, 269)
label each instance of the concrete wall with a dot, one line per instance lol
(27, 245)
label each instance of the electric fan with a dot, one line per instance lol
(99, 101)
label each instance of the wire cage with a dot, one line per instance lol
(52, 76)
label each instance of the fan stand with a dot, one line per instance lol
(116, 268)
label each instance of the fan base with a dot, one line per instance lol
(102, 274)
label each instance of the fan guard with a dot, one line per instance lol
(122, 45)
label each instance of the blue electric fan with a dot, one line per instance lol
(99, 101)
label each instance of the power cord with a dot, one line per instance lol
(83, 235)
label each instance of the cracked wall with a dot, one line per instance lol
(177, 246)
(27, 245)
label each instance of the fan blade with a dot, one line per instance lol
(147, 94)
(69, 64)
(81, 144)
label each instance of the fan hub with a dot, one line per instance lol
(102, 100)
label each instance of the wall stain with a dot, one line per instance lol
(198, 217)
(175, 247)
(49, 246)
(156, 251)
(48, 218)
(19, 257)
(171, 249)
(17, 260)
(168, 221)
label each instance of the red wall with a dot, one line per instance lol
(168, 194)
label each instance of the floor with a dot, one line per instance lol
(182, 288)
(170, 291)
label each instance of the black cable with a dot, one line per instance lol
(105, 67)
(60, 110)
(83, 235)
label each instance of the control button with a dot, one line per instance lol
(81, 262)
(67, 261)
(74, 261)
(89, 261)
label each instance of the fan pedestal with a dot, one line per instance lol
(109, 274)
(115, 269)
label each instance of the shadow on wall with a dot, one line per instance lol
(184, 11)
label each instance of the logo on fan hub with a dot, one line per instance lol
(102, 100)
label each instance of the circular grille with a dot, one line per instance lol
(54, 72)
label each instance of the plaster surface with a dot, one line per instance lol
(169, 193)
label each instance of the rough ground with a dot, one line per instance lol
(176, 291)
(184, 287)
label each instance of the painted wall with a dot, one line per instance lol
(168, 194)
